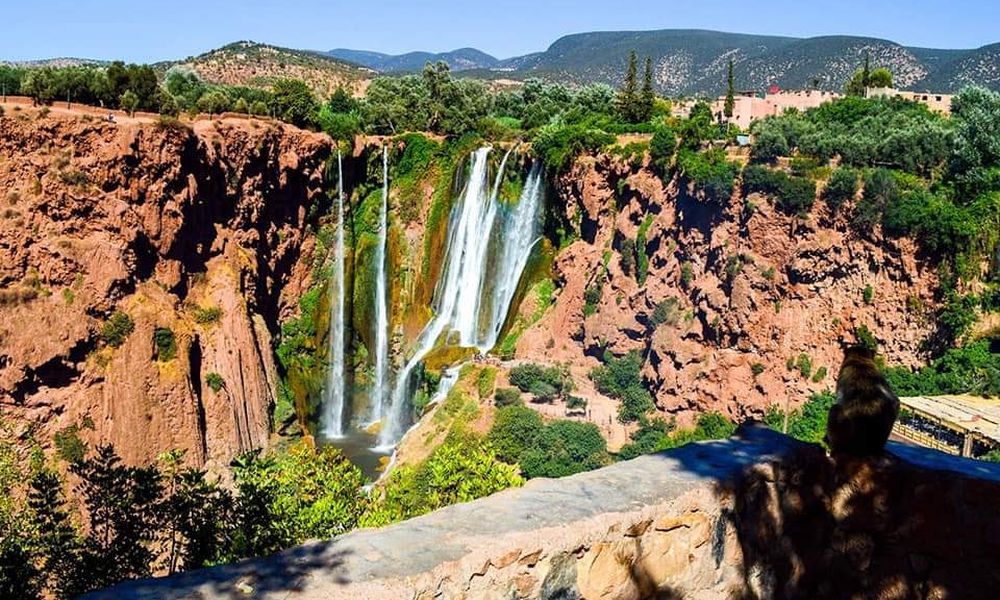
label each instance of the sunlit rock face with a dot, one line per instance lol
(756, 516)
(158, 222)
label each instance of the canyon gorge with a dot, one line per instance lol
(242, 240)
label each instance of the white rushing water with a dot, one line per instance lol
(488, 246)
(334, 391)
(381, 388)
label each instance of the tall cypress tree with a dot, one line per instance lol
(866, 73)
(730, 93)
(647, 96)
(627, 94)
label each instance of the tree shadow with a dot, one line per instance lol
(906, 524)
(285, 572)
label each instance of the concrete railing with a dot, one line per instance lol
(759, 516)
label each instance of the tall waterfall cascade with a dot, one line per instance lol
(489, 244)
(334, 391)
(380, 390)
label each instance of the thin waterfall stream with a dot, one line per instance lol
(335, 390)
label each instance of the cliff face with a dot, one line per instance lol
(201, 232)
(743, 288)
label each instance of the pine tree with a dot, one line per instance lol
(626, 101)
(57, 539)
(648, 96)
(730, 93)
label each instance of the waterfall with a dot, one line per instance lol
(381, 387)
(474, 294)
(334, 391)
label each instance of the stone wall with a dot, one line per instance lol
(756, 516)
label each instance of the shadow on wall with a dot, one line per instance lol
(810, 527)
(283, 573)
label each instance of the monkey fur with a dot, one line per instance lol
(861, 421)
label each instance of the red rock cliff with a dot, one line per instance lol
(160, 222)
(753, 286)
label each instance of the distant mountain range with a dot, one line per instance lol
(685, 62)
(462, 59)
(694, 62)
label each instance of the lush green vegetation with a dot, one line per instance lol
(619, 377)
(655, 435)
(973, 368)
(556, 449)
(544, 383)
(807, 423)
(794, 195)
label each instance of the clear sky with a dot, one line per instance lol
(151, 30)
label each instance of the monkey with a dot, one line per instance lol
(860, 422)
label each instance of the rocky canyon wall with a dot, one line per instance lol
(742, 290)
(201, 232)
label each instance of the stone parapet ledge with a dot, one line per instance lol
(757, 516)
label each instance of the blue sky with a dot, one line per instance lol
(150, 30)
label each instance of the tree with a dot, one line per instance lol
(861, 80)
(123, 508)
(57, 539)
(647, 97)
(129, 102)
(294, 102)
(730, 103)
(880, 78)
(627, 99)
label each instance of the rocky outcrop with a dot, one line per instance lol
(756, 516)
(200, 231)
(742, 288)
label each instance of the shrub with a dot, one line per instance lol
(662, 146)
(687, 274)
(545, 383)
(515, 430)
(620, 378)
(819, 375)
(667, 311)
(215, 381)
(558, 145)
(206, 315)
(118, 326)
(506, 397)
(868, 294)
(793, 195)
(576, 403)
(757, 368)
(564, 448)
(166, 344)
(866, 338)
(804, 364)
(710, 173)
(971, 369)
(68, 444)
(841, 188)
(627, 260)
(591, 296)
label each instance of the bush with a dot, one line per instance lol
(206, 315)
(166, 344)
(564, 448)
(970, 369)
(710, 173)
(515, 430)
(559, 145)
(667, 311)
(215, 381)
(868, 294)
(819, 375)
(117, 328)
(545, 383)
(506, 397)
(662, 147)
(757, 369)
(794, 195)
(620, 378)
(804, 364)
(841, 188)
(866, 338)
(69, 446)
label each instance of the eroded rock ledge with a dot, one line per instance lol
(756, 516)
